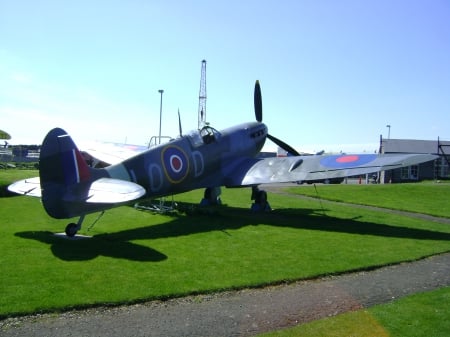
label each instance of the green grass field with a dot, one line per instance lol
(419, 315)
(136, 256)
(427, 197)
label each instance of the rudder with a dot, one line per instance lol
(61, 167)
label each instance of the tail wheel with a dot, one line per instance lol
(71, 229)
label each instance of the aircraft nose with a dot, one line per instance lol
(259, 131)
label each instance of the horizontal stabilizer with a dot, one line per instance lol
(102, 191)
(113, 191)
(29, 186)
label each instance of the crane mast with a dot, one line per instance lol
(202, 97)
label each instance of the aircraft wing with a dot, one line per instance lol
(112, 191)
(29, 186)
(112, 153)
(305, 168)
(103, 190)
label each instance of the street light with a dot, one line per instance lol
(160, 114)
(389, 131)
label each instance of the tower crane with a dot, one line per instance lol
(202, 97)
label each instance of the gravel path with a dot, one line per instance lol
(242, 313)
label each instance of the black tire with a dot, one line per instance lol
(71, 230)
(261, 197)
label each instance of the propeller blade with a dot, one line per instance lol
(258, 114)
(258, 102)
(283, 145)
(179, 124)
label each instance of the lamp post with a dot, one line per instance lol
(389, 131)
(160, 114)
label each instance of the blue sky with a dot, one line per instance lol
(333, 73)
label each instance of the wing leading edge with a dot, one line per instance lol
(305, 168)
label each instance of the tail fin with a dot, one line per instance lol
(61, 167)
(70, 187)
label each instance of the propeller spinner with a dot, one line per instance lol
(258, 115)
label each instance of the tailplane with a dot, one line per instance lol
(70, 187)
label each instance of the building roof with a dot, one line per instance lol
(415, 146)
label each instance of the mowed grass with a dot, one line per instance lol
(420, 315)
(428, 197)
(136, 256)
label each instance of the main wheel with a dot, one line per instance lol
(261, 197)
(71, 230)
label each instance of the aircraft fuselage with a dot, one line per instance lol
(199, 159)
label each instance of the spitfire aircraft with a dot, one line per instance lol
(202, 159)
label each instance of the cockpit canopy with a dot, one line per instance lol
(206, 135)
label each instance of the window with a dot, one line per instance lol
(414, 172)
(195, 138)
(410, 172)
(206, 135)
(404, 173)
(441, 168)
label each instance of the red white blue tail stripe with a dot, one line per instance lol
(74, 167)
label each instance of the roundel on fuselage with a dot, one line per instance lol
(175, 163)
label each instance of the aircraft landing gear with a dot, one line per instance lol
(73, 228)
(211, 197)
(261, 204)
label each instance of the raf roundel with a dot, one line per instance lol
(347, 161)
(176, 164)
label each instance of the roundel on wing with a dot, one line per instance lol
(175, 162)
(344, 161)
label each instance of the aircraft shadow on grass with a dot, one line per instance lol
(90, 248)
(225, 219)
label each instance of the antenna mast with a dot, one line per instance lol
(202, 97)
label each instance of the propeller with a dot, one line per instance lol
(179, 123)
(258, 102)
(258, 115)
(283, 145)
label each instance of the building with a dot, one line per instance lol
(437, 169)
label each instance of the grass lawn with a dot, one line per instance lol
(427, 197)
(419, 315)
(135, 255)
